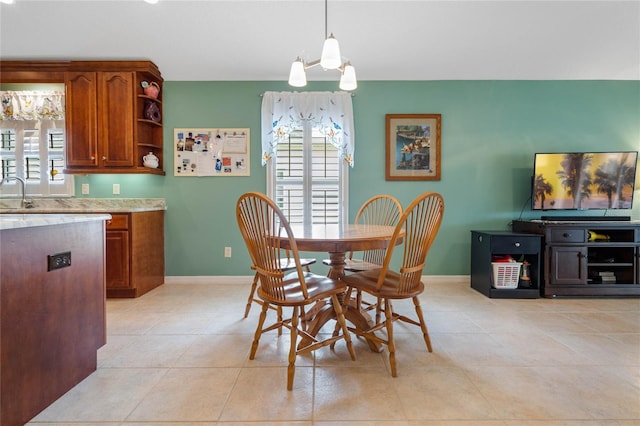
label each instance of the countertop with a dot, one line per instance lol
(83, 205)
(15, 221)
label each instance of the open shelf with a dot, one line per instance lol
(488, 245)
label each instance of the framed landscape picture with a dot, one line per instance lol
(413, 146)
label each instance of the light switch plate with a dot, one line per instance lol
(85, 189)
(116, 189)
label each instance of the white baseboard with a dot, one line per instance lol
(245, 279)
(442, 279)
(209, 279)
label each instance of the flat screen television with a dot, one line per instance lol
(584, 180)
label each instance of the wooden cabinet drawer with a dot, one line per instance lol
(118, 221)
(567, 235)
(515, 244)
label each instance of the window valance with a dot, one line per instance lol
(32, 105)
(330, 112)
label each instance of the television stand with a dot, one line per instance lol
(596, 258)
(587, 218)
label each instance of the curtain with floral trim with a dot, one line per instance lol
(32, 105)
(330, 112)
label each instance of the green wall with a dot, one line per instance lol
(490, 131)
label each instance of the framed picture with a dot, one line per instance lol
(413, 146)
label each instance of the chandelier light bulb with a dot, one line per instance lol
(331, 58)
(348, 79)
(297, 75)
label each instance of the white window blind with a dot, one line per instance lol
(308, 178)
(34, 151)
(32, 145)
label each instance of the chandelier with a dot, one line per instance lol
(329, 60)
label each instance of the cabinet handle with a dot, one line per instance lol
(93, 157)
(566, 235)
(104, 158)
(517, 244)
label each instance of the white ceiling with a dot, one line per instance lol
(384, 39)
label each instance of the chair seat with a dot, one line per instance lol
(368, 280)
(354, 265)
(318, 287)
(288, 263)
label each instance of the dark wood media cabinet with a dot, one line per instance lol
(485, 245)
(588, 258)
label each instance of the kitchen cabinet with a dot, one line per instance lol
(53, 314)
(111, 124)
(99, 120)
(588, 258)
(487, 245)
(134, 253)
(118, 255)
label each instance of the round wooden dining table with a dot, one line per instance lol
(337, 240)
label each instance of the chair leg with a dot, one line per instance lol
(343, 324)
(254, 285)
(279, 313)
(378, 310)
(388, 314)
(256, 337)
(359, 299)
(423, 325)
(291, 369)
(346, 300)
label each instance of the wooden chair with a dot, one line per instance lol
(264, 228)
(286, 264)
(421, 221)
(378, 210)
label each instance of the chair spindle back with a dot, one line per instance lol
(421, 222)
(378, 210)
(264, 227)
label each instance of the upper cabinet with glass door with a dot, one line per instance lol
(113, 112)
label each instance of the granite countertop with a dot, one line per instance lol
(83, 205)
(15, 221)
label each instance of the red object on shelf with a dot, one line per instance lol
(504, 259)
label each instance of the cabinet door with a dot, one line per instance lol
(81, 119)
(117, 259)
(116, 112)
(567, 265)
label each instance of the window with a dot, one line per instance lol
(308, 146)
(308, 179)
(32, 144)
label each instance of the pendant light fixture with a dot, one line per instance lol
(331, 59)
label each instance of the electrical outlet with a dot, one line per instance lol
(116, 189)
(57, 261)
(85, 189)
(227, 252)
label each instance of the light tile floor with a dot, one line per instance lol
(179, 356)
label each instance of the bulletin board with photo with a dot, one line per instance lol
(211, 152)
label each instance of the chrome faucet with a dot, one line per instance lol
(25, 204)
